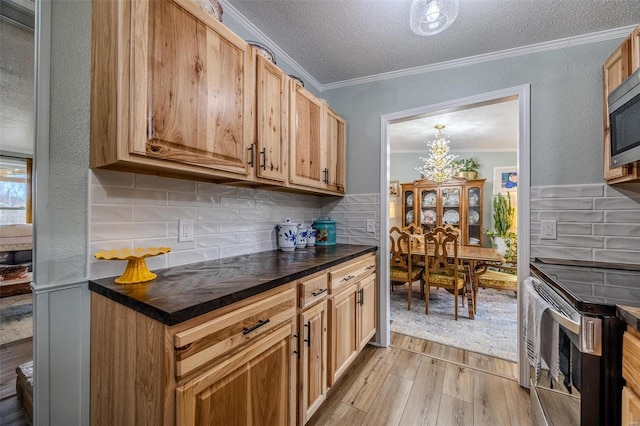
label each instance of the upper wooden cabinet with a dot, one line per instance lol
(622, 62)
(317, 149)
(272, 113)
(307, 148)
(458, 202)
(172, 90)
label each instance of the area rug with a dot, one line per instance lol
(16, 318)
(493, 331)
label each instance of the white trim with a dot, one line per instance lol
(37, 290)
(524, 182)
(262, 38)
(488, 57)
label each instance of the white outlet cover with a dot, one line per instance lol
(185, 230)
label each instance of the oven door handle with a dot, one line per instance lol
(567, 323)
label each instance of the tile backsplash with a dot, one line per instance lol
(133, 210)
(595, 222)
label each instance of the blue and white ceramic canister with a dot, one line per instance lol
(311, 237)
(287, 235)
(302, 237)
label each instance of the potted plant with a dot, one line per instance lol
(503, 213)
(467, 168)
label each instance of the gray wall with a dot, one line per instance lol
(566, 110)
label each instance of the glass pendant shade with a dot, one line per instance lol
(430, 17)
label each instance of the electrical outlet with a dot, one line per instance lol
(185, 230)
(371, 226)
(548, 230)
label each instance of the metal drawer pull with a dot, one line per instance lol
(297, 351)
(263, 154)
(250, 149)
(370, 267)
(258, 325)
(319, 292)
(349, 277)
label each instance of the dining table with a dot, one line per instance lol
(472, 255)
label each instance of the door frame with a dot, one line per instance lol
(523, 94)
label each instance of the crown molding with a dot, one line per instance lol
(258, 35)
(488, 57)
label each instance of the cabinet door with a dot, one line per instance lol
(428, 209)
(308, 139)
(252, 387)
(614, 72)
(450, 199)
(313, 360)
(336, 152)
(344, 343)
(191, 88)
(635, 49)
(630, 407)
(367, 301)
(408, 202)
(273, 121)
(473, 215)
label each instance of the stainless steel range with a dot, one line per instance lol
(585, 386)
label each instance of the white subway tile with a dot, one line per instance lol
(572, 216)
(160, 183)
(562, 204)
(534, 192)
(617, 256)
(237, 203)
(622, 216)
(255, 237)
(363, 207)
(156, 214)
(171, 242)
(237, 250)
(111, 213)
(626, 230)
(186, 257)
(623, 243)
(218, 240)
(574, 241)
(364, 241)
(246, 226)
(205, 214)
(127, 231)
(184, 199)
(363, 198)
(571, 191)
(216, 189)
(115, 195)
(106, 268)
(617, 203)
(112, 178)
(204, 228)
(571, 228)
(95, 247)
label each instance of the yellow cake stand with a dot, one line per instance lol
(137, 271)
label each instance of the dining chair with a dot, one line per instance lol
(413, 229)
(401, 270)
(499, 276)
(443, 268)
(416, 230)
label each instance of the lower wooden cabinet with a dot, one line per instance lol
(250, 388)
(312, 373)
(343, 320)
(367, 314)
(631, 374)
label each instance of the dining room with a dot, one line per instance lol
(453, 174)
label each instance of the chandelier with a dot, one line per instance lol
(430, 17)
(439, 166)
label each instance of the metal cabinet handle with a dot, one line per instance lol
(260, 323)
(326, 176)
(250, 149)
(308, 339)
(361, 296)
(370, 267)
(263, 154)
(297, 351)
(349, 277)
(319, 292)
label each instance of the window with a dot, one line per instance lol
(15, 190)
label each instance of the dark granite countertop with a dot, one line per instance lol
(630, 315)
(184, 292)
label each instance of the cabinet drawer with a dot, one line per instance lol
(221, 336)
(351, 272)
(313, 290)
(631, 360)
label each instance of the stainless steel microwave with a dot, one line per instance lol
(624, 121)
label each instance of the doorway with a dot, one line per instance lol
(522, 95)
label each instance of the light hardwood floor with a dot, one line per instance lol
(11, 355)
(416, 382)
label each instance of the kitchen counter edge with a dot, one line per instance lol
(630, 315)
(158, 299)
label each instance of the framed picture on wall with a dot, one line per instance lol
(505, 179)
(394, 189)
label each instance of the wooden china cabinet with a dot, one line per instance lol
(457, 202)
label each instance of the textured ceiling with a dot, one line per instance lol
(338, 40)
(482, 127)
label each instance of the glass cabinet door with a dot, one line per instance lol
(408, 210)
(429, 209)
(451, 206)
(474, 216)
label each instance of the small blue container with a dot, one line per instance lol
(326, 235)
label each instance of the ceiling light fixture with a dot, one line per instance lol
(430, 17)
(439, 166)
